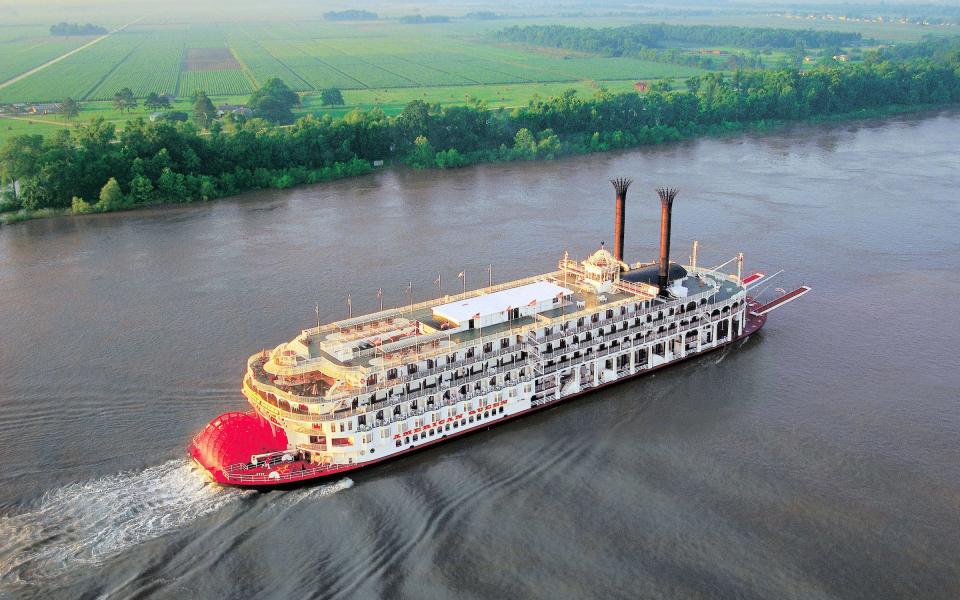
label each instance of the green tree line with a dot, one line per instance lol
(631, 39)
(166, 161)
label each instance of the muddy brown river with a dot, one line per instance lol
(817, 459)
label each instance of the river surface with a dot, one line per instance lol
(818, 459)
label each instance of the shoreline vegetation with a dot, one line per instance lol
(96, 168)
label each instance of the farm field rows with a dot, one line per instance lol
(234, 58)
(214, 83)
(21, 55)
(75, 76)
(152, 67)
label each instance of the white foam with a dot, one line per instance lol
(86, 523)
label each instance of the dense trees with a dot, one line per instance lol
(203, 110)
(274, 101)
(626, 41)
(76, 29)
(71, 108)
(663, 42)
(173, 162)
(331, 97)
(350, 15)
(156, 101)
(124, 100)
(421, 20)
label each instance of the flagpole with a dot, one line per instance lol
(440, 284)
(349, 307)
(318, 318)
(380, 297)
(410, 293)
(490, 275)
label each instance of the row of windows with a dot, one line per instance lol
(449, 427)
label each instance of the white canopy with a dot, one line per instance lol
(532, 295)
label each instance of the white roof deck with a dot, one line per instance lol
(531, 294)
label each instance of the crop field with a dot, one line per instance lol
(232, 59)
(153, 66)
(19, 56)
(77, 75)
(215, 83)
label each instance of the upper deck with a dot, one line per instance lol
(338, 359)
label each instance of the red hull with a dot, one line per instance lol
(264, 437)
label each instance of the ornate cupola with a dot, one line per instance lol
(602, 270)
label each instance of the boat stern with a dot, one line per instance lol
(233, 439)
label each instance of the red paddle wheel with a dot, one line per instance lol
(233, 438)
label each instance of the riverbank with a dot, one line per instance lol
(565, 149)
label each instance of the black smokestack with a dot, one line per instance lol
(620, 185)
(666, 212)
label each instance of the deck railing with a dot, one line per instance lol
(292, 475)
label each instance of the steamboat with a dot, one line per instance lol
(353, 393)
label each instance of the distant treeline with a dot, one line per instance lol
(95, 167)
(420, 19)
(630, 40)
(937, 49)
(350, 15)
(483, 15)
(77, 29)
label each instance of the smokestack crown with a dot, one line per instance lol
(620, 185)
(667, 196)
